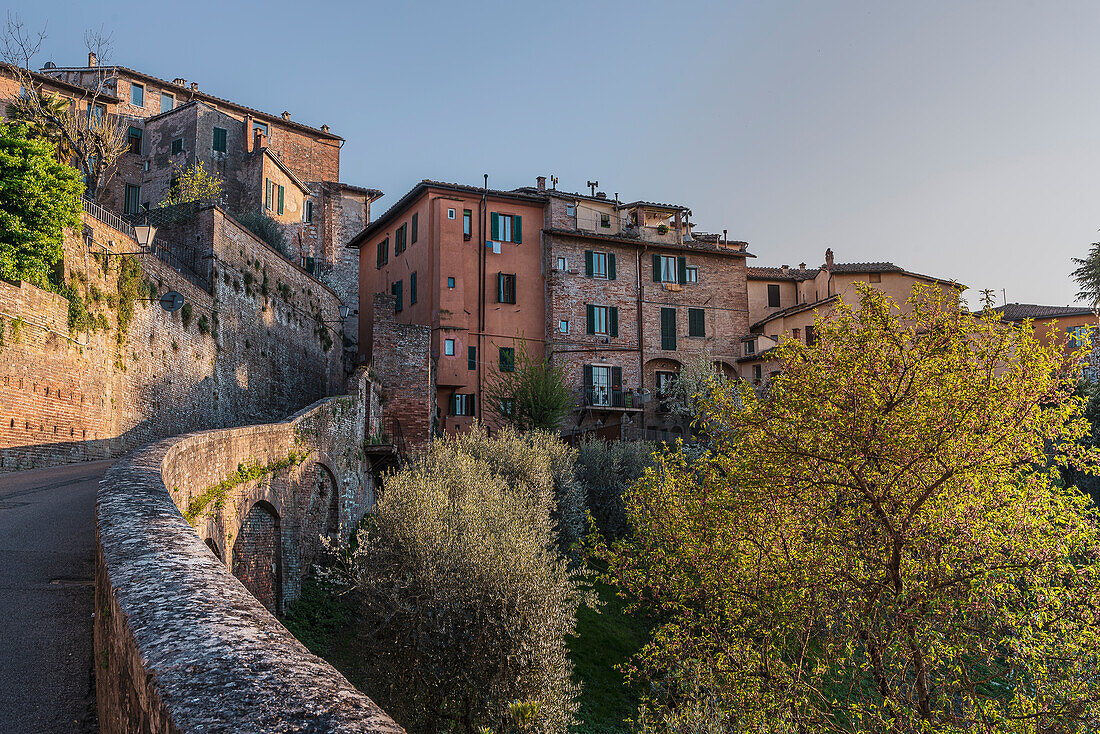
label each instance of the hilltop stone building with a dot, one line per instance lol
(621, 294)
(1071, 327)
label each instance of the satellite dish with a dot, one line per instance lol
(171, 301)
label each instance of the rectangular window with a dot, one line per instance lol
(692, 275)
(507, 406)
(399, 239)
(563, 326)
(167, 102)
(259, 127)
(415, 227)
(396, 289)
(471, 358)
(811, 335)
(668, 329)
(599, 264)
(570, 210)
(219, 140)
(506, 288)
(97, 112)
(750, 347)
(506, 228)
(796, 334)
(137, 94)
(133, 199)
(467, 224)
(310, 264)
(601, 320)
(562, 265)
(450, 214)
(507, 359)
(133, 139)
(665, 269)
(412, 288)
(269, 195)
(177, 146)
(383, 252)
(600, 389)
(696, 322)
(282, 194)
(449, 347)
(664, 382)
(462, 404)
(756, 372)
(773, 295)
(307, 211)
(451, 282)
(605, 221)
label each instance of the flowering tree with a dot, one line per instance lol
(881, 544)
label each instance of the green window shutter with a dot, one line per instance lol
(454, 403)
(683, 268)
(500, 287)
(656, 268)
(282, 193)
(591, 312)
(617, 387)
(517, 229)
(614, 326)
(668, 329)
(412, 288)
(588, 384)
(471, 358)
(696, 322)
(611, 266)
(494, 226)
(379, 255)
(414, 228)
(588, 269)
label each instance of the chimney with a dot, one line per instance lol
(786, 269)
(286, 115)
(194, 86)
(93, 60)
(180, 81)
(260, 140)
(829, 258)
(802, 266)
(540, 183)
(601, 195)
(324, 128)
(725, 237)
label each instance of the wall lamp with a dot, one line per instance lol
(344, 311)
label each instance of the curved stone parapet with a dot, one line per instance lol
(180, 644)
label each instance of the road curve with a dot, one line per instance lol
(47, 536)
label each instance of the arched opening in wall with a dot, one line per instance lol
(214, 548)
(257, 555)
(329, 492)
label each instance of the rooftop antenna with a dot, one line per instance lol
(592, 185)
(554, 182)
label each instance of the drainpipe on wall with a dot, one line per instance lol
(641, 351)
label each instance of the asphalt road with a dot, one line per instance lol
(47, 534)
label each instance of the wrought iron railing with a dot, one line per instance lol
(108, 217)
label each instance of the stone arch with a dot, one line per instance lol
(726, 369)
(257, 555)
(213, 548)
(330, 495)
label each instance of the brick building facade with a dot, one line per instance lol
(621, 294)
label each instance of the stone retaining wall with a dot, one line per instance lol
(180, 643)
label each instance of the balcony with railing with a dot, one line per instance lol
(602, 397)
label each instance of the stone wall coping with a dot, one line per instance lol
(216, 659)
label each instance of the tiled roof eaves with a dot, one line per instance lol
(792, 310)
(414, 193)
(758, 355)
(289, 173)
(1018, 312)
(205, 96)
(74, 88)
(694, 247)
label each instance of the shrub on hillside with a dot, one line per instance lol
(604, 471)
(266, 228)
(465, 601)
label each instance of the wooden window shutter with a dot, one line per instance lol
(613, 328)
(414, 227)
(668, 329)
(611, 266)
(379, 254)
(656, 268)
(617, 387)
(683, 268)
(588, 263)
(591, 313)
(282, 193)
(494, 226)
(696, 322)
(500, 287)
(517, 229)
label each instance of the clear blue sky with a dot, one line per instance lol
(956, 139)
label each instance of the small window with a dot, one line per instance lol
(137, 94)
(310, 264)
(451, 282)
(599, 265)
(811, 335)
(507, 359)
(450, 214)
(396, 289)
(177, 146)
(467, 223)
(692, 275)
(133, 199)
(412, 288)
(167, 102)
(750, 347)
(668, 269)
(773, 295)
(259, 127)
(756, 372)
(383, 252)
(449, 347)
(506, 228)
(600, 319)
(506, 288)
(133, 139)
(562, 265)
(219, 139)
(269, 193)
(570, 210)
(471, 358)
(796, 334)
(462, 404)
(399, 239)
(507, 406)
(563, 326)
(605, 221)
(696, 322)
(145, 167)
(307, 211)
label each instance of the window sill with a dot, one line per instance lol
(673, 287)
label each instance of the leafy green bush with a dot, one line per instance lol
(266, 228)
(604, 471)
(465, 601)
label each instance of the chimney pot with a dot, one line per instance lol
(601, 195)
(786, 269)
(261, 139)
(286, 115)
(540, 183)
(324, 128)
(180, 81)
(194, 86)
(93, 60)
(829, 257)
(802, 266)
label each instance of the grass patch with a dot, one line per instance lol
(606, 639)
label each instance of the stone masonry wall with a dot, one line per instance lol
(249, 348)
(181, 645)
(402, 365)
